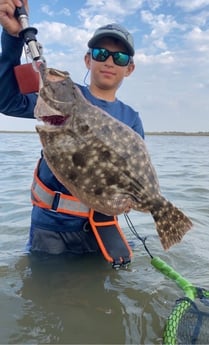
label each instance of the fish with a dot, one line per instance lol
(99, 159)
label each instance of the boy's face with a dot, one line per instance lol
(107, 75)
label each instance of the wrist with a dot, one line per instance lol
(11, 47)
(11, 35)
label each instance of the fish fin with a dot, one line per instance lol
(171, 224)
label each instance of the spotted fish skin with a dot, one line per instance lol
(99, 159)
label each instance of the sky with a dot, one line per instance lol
(170, 85)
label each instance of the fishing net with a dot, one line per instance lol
(188, 322)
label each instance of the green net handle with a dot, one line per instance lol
(170, 334)
(168, 271)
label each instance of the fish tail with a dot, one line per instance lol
(171, 223)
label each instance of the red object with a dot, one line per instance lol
(27, 78)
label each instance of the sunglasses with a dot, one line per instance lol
(102, 54)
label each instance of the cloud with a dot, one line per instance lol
(155, 4)
(199, 37)
(124, 7)
(65, 11)
(97, 13)
(51, 13)
(191, 5)
(161, 26)
(64, 35)
(198, 48)
(165, 57)
(46, 10)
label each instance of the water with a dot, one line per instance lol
(57, 300)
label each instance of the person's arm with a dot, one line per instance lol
(138, 126)
(12, 102)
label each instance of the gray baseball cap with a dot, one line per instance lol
(113, 30)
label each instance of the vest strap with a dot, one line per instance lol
(110, 239)
(44, 197)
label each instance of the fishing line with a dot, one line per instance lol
(85, 78)
(133, 230)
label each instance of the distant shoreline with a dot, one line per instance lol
(174, 133)
(169, 133)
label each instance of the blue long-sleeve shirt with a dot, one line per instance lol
(13, 103)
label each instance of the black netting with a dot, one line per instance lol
(188, 323)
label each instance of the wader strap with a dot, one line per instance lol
(110, 238)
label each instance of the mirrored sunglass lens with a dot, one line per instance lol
(121, 59)
(99, 54)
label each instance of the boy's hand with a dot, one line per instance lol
(7, 15)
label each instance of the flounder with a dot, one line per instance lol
(99, 159)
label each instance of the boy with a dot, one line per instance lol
(109, 60)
